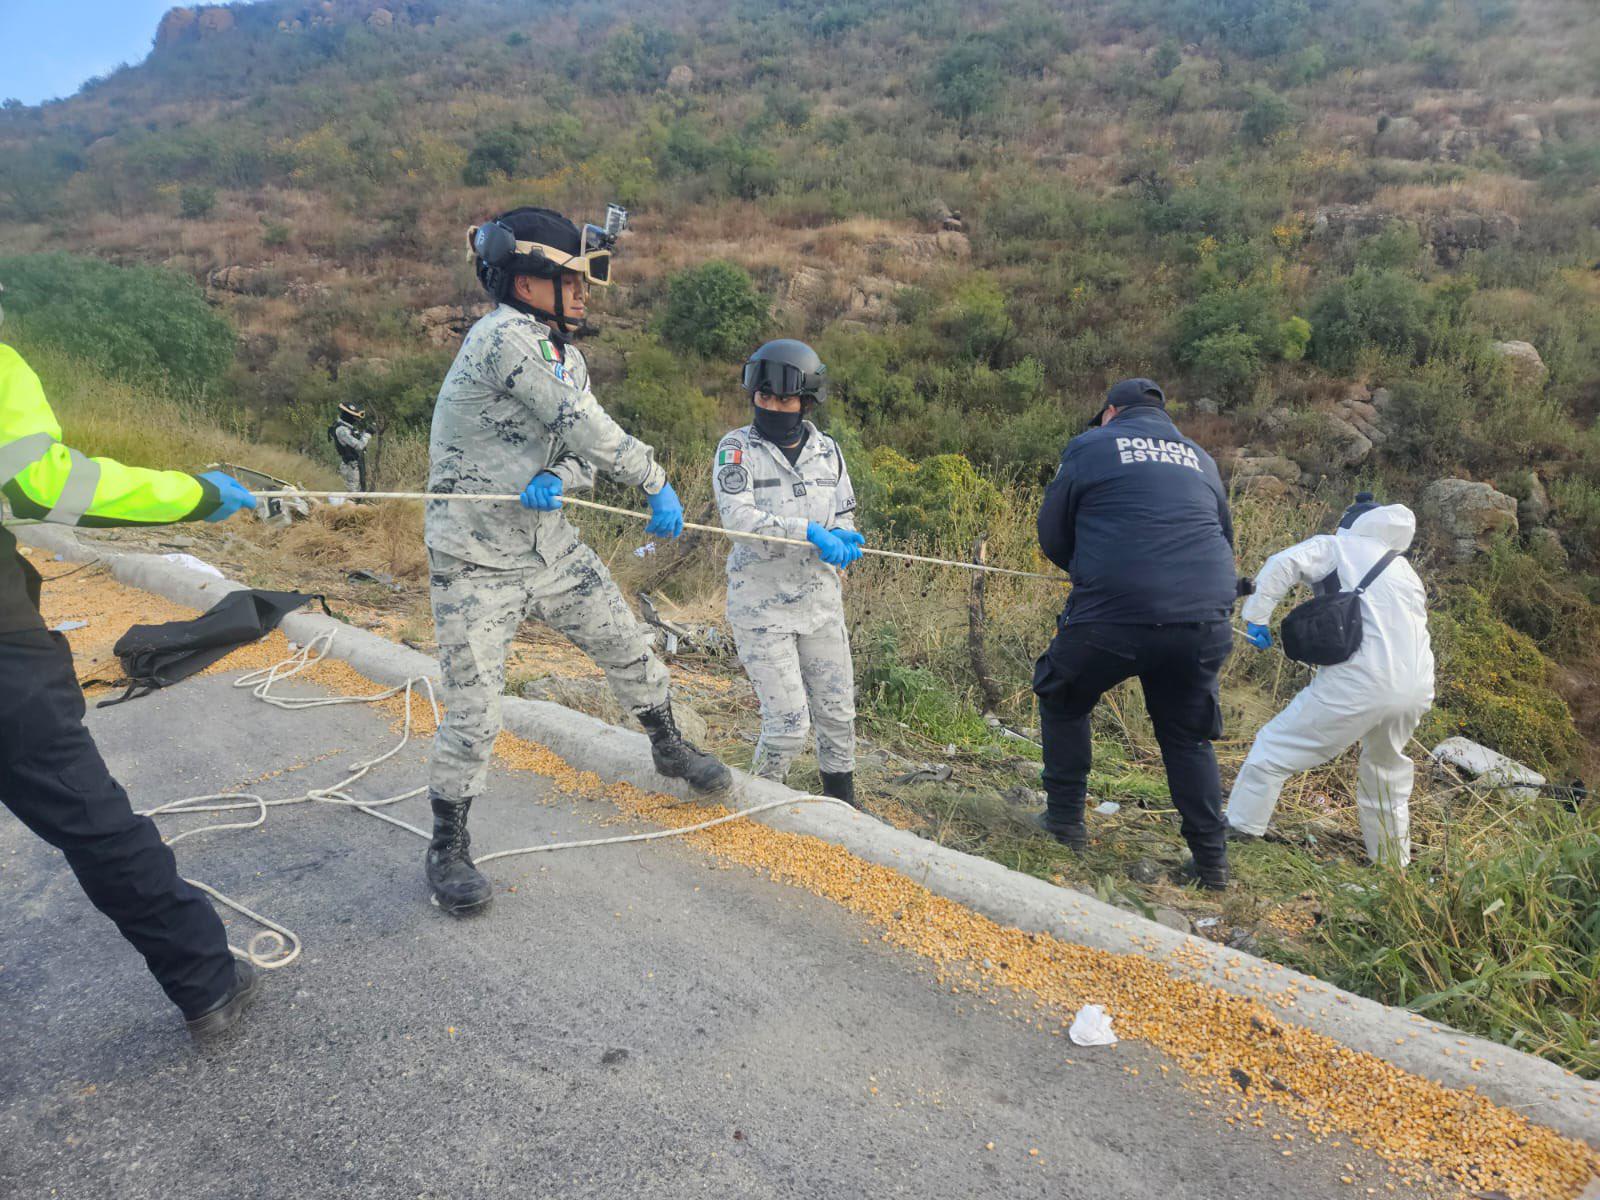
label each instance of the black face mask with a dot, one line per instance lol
(780, 428)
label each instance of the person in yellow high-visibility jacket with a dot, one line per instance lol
(51, 775)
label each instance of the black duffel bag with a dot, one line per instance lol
(157, 656)
(1326, 629)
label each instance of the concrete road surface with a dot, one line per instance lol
(625, 1022)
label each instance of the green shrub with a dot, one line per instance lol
(1255, 27)
(967, 81)
(1226, 335)
(659, 403)
(139, 323)
(197, 201)
(1379, 308)
(1268, 115)
(713, 310)
(1168, 57)
(1494, 686)
(941, 499)
(496, 152)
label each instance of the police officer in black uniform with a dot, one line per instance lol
(1138, 517)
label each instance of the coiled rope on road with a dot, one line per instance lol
(276, 945)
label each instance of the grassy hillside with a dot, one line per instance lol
(1318, 221)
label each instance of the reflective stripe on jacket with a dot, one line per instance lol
(44, 480)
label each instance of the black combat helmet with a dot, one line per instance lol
(786, 367)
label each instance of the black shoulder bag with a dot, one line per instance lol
(157, 656)
(1326, 629)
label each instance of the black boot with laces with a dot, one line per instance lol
(457, 885)
(677, 758)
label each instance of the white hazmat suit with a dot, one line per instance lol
(1376, 698)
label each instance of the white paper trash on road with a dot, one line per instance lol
(1092, 1027)
(194, 564)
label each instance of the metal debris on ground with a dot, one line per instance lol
(926, 773)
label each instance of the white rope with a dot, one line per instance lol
(464, 498)
(276, 945)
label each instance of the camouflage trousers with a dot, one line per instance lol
(801, 679)
(476, 612)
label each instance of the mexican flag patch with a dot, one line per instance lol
(729, 458)
(546, 349)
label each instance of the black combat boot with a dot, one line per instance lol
(1074, 835)
(841, 785)
(457, 885)
(677, 758)
(209, 1022)
(1213, 876)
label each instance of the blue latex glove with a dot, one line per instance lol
(853, 542)
(234, 495)
(1258, 636)
(543, 494)
(830, 549)
(666, 518)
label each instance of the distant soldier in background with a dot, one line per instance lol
(351, 437)
(516, 414)
(782, 476)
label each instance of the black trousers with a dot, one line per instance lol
(53, 778)
(1177, 666)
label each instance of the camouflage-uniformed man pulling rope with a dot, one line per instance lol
(515, 407)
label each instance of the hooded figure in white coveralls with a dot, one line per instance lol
(782, 476)
(1377, 697)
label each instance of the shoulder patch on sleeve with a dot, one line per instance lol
(733, 479)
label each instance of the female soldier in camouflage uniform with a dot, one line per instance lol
(780, 475)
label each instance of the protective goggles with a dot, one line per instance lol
(779, 379)
(498, 246)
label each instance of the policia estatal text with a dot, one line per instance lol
(51, 775)
(1137, 516)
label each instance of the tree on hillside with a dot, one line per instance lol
(714, 311)
(138, 323)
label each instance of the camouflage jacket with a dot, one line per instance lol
(781, 588)
(511, 407)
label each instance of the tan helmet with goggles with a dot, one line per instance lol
(498, 246)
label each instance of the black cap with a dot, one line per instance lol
(1131, 393)
(1364, 504)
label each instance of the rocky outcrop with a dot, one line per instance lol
(1527, 368)
(1468, 515)
(191, 24)
(1270, 475)
(446, 324)
(1452, 234)
(1331, 444)
(808, 290)
(1341, 222)
(871, 298)
(1402, 137)
(1523, 140)
(1357, 409)
(241, 281)
(380, 18)
(925, 247)
(680, 78)
(1534, 507)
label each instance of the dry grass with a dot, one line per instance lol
(1481, 192)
